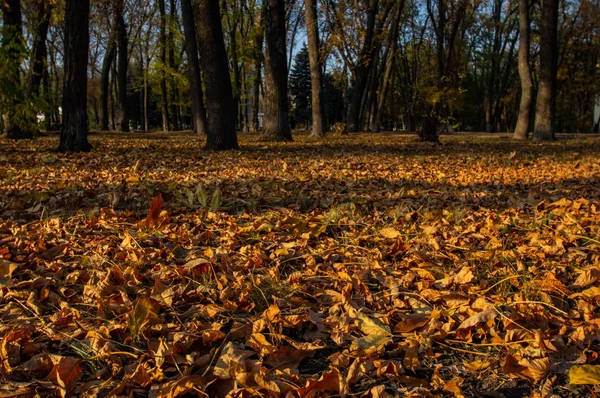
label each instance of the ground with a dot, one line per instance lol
(363, 265)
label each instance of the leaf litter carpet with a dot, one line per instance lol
(371, 266)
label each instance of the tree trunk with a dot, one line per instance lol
(236, 73)
(545, 111)
(163, 60)
(73, 134)
(522, 128)
(221, 132)
(362, 71)
(316, 79)
(191, 48)
(122, 42)
(39, 52)
(257, 84)
(105, 83)
(175, 114)
(389, 67)
(276, 115)
(12, 45)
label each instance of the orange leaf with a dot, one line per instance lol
(154, 213)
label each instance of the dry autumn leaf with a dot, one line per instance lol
(390, 233)
(584, 374)
(381, 275)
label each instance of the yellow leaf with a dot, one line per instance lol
(585, 374)
(369, 344)
(370, 326)
(390, 233)
(477, 366)
(591, 292)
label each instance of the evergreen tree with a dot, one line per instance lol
(300, 88)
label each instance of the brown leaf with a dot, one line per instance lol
(329, 382)
(411, 322)
(586, 278)
(7, 268)
(54, 253)
(480, 317)
(144, 314)
(532, 370)
(65, 374)
(260, 344)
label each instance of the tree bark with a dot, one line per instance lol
(105, 84)
(389, 66)
(522, 128)
(39, 52)
(174, 92)
(257, 84)
(122, 43)
(12, 44)
(221, 134)
(191, 48)
(362, 71)
(316, 79)
(73, 134)
(276, 114)
(163, 60)
(545, 111)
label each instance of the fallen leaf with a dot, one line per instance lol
(584, 374)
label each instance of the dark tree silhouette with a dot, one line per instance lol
(191, 48)
(73, 134)
(545, 110)
(122, 43)
(220, 110)
(276, 114)
(316, 78)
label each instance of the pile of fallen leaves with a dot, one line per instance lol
(370, 266)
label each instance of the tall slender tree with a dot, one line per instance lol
(545, 110)
(522, 128)
(39, 51)
(276, 114)
(389, 65)
(362, 69)
(220, 109)
(105, 83)
(73, 134)
(316, 78)
(12, 46)
(191, 48)
(258, 62)
(174, 90)
(163, 60)
(123, 63)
